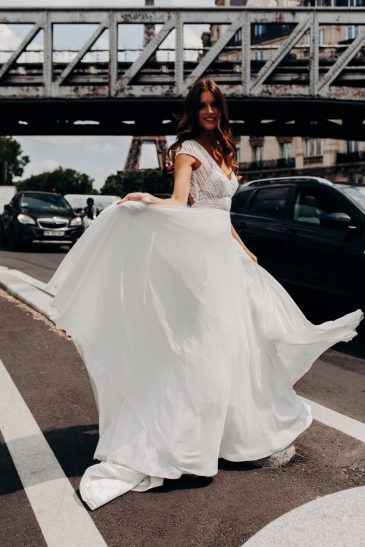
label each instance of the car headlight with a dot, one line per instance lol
(25, 219)
(76, 221)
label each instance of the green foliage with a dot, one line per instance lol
(12, 162)
(146, 180)
(64, 181)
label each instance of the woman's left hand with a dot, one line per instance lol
(137, 196)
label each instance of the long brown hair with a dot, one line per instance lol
(188, 127)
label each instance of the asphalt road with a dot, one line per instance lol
(224, 510)
(39, 261)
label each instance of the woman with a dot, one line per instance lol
(192, 347)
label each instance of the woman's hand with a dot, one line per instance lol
(145, 197)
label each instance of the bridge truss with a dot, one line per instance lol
(282, 70)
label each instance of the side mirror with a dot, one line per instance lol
(335, 220)
(7, 207)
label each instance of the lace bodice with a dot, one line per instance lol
(210, 186)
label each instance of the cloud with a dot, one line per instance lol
(54, 140)
(36, 167)
(96, 144)
(8, 41)
(106, 149)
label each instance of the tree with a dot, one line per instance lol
(12, 162)
(63, 181)
(145, 180)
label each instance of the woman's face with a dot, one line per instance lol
(208, 113)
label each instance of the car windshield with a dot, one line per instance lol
(34, 201)
(356, 194)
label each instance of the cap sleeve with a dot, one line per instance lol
(187, 147)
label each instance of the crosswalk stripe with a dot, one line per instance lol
(338, 421)
(63, 520)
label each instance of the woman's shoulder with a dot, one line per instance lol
(190, 146)
(187, 143)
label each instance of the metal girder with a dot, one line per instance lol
(90, 42)
(19, 50)
(341, 62)
(308, 75)
(268, 68)
(212, 54)
(113, 116)
(146, 54)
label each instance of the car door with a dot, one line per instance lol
(8, 214)
(318, 256)
(259, 223)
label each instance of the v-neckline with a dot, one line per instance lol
(215, 163)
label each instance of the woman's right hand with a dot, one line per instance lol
(145, 197)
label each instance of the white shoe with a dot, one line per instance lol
(277, 459)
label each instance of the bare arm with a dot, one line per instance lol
(237, 238)
(183, 168)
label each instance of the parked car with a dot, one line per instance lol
(39, 217)
(306, 231)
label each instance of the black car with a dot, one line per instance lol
(39, 217)
(307, 232)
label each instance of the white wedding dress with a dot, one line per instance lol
(192, 347)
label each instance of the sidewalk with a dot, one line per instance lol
(29, 290)
(333, 520)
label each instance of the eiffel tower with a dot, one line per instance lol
(135, 149)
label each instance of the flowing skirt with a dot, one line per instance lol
(192, 348)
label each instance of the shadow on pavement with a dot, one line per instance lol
(37, 249)
(73, 447)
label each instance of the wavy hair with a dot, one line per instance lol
(188, 126)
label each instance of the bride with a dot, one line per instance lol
(191, 346)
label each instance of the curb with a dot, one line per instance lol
(29, 290)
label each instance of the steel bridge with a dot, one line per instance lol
(284, 71)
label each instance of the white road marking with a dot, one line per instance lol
(338, 421)
(335, 520)
(61, 516)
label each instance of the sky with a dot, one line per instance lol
(98, 156)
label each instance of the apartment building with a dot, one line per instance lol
(337, 160)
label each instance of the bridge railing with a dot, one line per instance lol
(306, 51)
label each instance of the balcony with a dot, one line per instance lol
(310, 160)
(350, 157)
(281, 163)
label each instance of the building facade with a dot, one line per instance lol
(262, 157)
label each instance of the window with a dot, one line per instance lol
(354, 178)
(240, 200)
(39, 201)
(259, 30)
(257, 153)
(307, 38)
(259, 55)
(285, 150)
(352, 31)
(321, 37)
(311, 203)
(313, 147)
(269, 202)
(352, 147)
